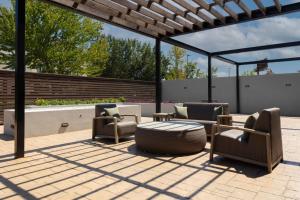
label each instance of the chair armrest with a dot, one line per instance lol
(225, 119)
(244, 129)
(135, 117)
(104, 117)
(107, 117)
(225, 116)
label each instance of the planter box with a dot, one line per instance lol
(41, 121)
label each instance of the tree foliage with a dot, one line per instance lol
(62, 42)
(56, 40)
(249, 73)
(180, 68)
(132, 59)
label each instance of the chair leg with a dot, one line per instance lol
(93, 134)
(116, 132)
(94, 130)
(211, 155)
(269, 155)
(116, 139)
(269, 168)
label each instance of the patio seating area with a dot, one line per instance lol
(79, 168)
(111, 159)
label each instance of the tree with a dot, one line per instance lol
(96, 58)
(176, 70)
(214, 71)
(179, 69)
(132, 59)
(191, 71)
(57, 40)
(249, 73)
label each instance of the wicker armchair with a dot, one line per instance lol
(262, 146)
(112, 127)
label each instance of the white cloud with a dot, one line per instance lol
(267, 31)
(124, 34)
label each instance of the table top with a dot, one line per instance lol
(173, 125)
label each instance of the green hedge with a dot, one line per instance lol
(48, 102)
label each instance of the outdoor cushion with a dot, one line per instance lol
(250, 123)
(181, 112)
(263, 122)
(230, 142)
(269, 122)
(113, 112)
(124, 128)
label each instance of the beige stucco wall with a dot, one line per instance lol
(256, 92)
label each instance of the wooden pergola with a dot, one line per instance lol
(160, 20)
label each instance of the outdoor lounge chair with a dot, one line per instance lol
(261, 145)
(111, 127)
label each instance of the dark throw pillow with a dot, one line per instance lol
(181, 112)
(250, 123)
(113, 112)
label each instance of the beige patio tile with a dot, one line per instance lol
(70, 166)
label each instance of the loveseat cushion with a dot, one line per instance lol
(181, 112)
(124, 128)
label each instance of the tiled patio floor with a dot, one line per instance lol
(71, 166)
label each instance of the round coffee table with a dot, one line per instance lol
(171, 137)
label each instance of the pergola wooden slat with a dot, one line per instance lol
(260, 6)
(167, 18)
(178, 14)
(222, 4)
(244, 7)
(278, 5)
(209, 9)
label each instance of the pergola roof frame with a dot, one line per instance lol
(262, 12)
(161, 19)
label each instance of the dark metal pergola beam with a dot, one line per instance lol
(158, 93)
(195, 49)
(257, 48)
(237, 88)
(20, 80)
(270, 61)
(209, 79)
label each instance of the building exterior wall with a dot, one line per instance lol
(256, 92)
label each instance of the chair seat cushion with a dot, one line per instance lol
(124, 128)
(231, 142)
(232, 135)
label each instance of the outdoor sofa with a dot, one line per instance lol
(204, 113)
(110, 126)
(260, 145)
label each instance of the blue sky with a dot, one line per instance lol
(266, 31)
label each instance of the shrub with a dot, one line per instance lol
(48, 102)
